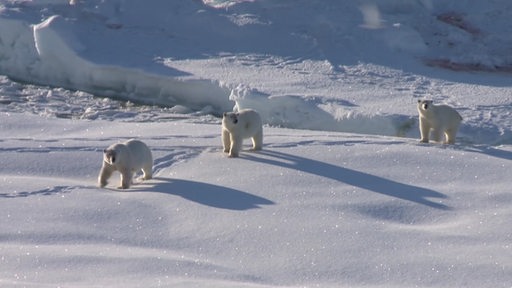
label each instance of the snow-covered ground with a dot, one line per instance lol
(342, 195)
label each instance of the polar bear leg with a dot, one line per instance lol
(437, 134)
(226, 142)
(424, 130)
(105, 173)
(450, 136)
(126, 179)
(148, 171)
(236, 146)
(257, 140)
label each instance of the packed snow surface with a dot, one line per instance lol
(342, 194)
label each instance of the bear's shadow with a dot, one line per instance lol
(355, 178)
(209, 194)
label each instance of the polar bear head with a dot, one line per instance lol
(229, 120)
(424, 105)
(109, 156)
(116, 154)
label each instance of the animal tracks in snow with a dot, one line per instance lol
(46, 191)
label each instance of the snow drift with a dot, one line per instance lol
(92, 46)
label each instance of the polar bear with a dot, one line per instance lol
(438, 120)
(237, 126)
(127, 158)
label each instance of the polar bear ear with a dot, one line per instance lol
(225, 114)
(419, 100)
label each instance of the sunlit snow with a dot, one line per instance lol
(342, 194)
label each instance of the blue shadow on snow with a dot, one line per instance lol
(352, 177)
(210, 194)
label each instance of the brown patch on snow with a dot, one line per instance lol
(457, 20)
(475, 67)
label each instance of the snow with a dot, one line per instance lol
(342, 194)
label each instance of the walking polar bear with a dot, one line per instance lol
(127, 158)
(438, 120)
(237, 126)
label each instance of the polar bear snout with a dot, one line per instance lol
(234, 118)
(424, 104)
(110, 156)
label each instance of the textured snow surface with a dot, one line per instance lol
(342, 194)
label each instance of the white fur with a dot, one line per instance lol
(237, 126)
(437, 120)
(127, 158)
